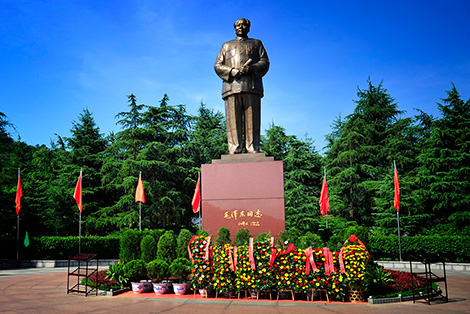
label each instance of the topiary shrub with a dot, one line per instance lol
(291, 235)
(182, 242)
(148, 247)
(135, 270)
(242, 237)
(129, 245)
(156, 234)
(180, 268)
(201, 232)
(262, 237)
(223, 237)
(310, 240)
(157, 270)
(167, 247)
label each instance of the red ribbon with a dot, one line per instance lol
(272, 258)
(189, 247)
(230, 257)
(235, 253)
(310, 261)
(341, 262)
(290, 248)
(329, 267)
(251, 258)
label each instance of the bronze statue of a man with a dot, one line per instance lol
(241, 64)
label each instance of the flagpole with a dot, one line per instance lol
(399, 242)
(398, 219)
(18, 229)
(80, 224)
(326, 215)
(200, 200)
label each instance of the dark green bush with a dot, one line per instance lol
(157, 270)
(201, 232)
(223, 237)
(310, 239)
(182, 242)
(167, 247)
(136, 270)
(292, 235)
(336, 241)
(155, 233)
(260, 237)
(130, 245)
(242, 237)
(180, 268)
(148, 247)
(451, 248)
(52, 247)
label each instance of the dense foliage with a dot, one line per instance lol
(168, 145)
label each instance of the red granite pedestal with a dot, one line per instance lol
(243, 191)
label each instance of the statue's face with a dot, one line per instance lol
(241, 28)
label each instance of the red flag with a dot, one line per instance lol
(396, 196)
(324, 199)
(19, 194)
(139, 191)
(77, 195)
(197, 197)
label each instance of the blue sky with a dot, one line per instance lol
(59, 57)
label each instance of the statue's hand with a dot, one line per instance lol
(235, 73)
(246, 69)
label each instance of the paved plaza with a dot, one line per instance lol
(43, 290)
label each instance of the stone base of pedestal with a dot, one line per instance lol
(258, 157)
(243, 191)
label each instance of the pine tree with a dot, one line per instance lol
(446, 162)
(357, 158)
(208, 138)
(302, 176)
(87, 146)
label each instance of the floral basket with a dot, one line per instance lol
(199, 253)
(353, 261)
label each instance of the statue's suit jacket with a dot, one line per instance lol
(235, 54)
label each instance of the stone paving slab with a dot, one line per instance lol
(46, 293)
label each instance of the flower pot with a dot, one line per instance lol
(147, 285)
(179, 288)
(356, 294)
(160, 288)
(138, 287)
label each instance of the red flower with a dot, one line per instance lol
(353, 238)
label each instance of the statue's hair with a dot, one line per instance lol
(247, 21)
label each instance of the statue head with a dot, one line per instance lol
(242, 27)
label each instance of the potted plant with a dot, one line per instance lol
(180, 268)
(158, 270)
(136, 270)
(116, 272)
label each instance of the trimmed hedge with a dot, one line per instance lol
(452, 248)
(60, 248)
